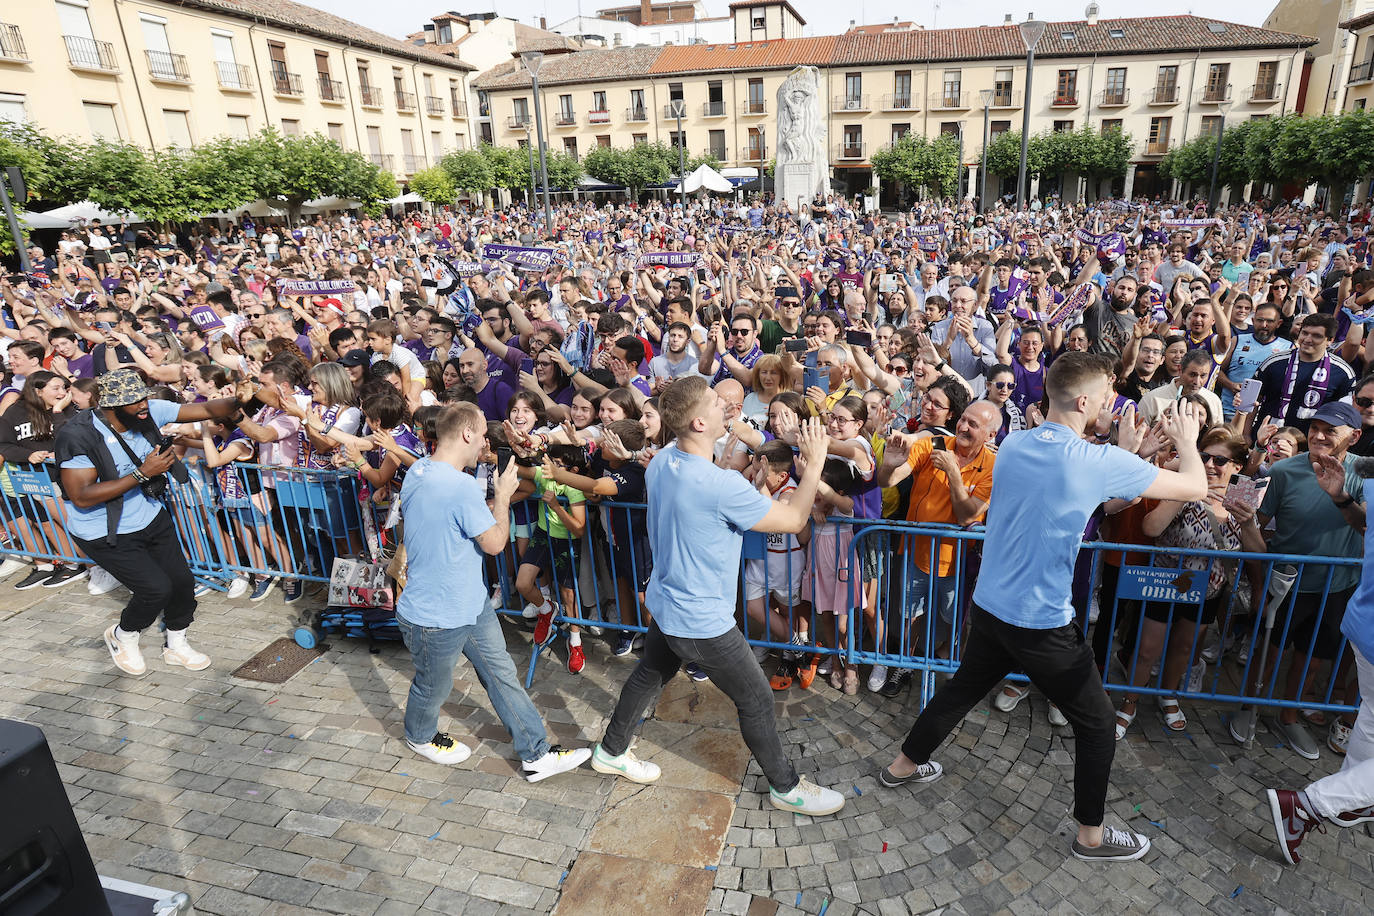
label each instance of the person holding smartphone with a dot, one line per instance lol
(112, 475)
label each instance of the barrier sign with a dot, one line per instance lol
(1151, 583)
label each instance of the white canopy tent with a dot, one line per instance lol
(260, 207)
(706, 178)
(82, 212)
(410, 197)
(323, 204)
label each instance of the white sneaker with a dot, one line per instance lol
(807, 798)
(1010, 696)
(186, 657)
(876, 678)
(1056, 717)
(1195, 676)
(530, 612)
(239, 587)
(442, 749)
(557, 759)
(101, 582)
(11, 566)
(627, 765)
(125, 652)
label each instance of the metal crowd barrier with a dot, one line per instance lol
(242, 519)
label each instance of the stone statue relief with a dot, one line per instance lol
(803, 168)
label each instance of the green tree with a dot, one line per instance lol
(302, 168)
(469, 170)
(696, 162)
(434, 185)
(920, 163)
(1110, 154)
(1003, 156)
(636, 168)
(510, 166)
(564, 171)
(1190, 162)
(1297, 150)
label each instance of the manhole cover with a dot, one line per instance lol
(276, 663)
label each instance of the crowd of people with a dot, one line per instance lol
(920, 340)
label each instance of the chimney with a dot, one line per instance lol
(1091, 14)
(543, 23)
(646, 12)
(1007, 21)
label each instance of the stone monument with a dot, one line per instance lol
(803, 166)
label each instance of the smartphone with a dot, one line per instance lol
(1248, 396)
(859, 338)
(795, 344)
(1246, 491)
(104, 325)
(504, 456)
(938, 443)
(527, 365)
(165, 442)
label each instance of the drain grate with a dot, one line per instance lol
(277, 663)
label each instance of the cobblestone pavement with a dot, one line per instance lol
(300, 798)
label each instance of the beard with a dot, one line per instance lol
(1122, 305)
(130, 418)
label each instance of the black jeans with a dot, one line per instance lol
(149, 563)
(1060, 663)
(731, 666)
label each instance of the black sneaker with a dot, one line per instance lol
(897, 681)
(292, 590)
(34, 579)
(61, 575)
(925, 772)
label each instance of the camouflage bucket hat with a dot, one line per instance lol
(121, 388)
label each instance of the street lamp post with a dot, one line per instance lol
(678, 107)
(1224, 104)
(987, 95)
(763, 158)
(1031, 30)
(529, 147)
(533, 60)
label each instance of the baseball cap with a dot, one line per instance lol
(354, 358)
(1338, 413)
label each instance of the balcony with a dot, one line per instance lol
(164, 67)
(371, 96)
(1265, 93)
(1005, 98)
(1063, 99)
(717, 153)
(669, 114)
(849, 152)
(1158, 147)
(949, 101)
(1163, 95)
(636, 115)
(1214, 95)
(519, 122)
(850, 103)
(406, 101)
(380, 160)
(1362, 72)
(458, 107)
(713, 109)
(413, 163)
(754, 155)
(287, 84)
(1114, 98)
(565, 119)
(903, 101)
(12, 44)
(598, 117)
(234, 77)
(434, 106)
(331, 91)
(89, 54)
(753, 107)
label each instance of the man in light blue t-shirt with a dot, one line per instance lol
(1047, 481)
(697, 517)
(444, 611)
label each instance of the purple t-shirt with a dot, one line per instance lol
(494, 399)
(1030, 386)
(82, 366)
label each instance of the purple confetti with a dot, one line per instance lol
(252, 791)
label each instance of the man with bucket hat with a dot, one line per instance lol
(113, 464)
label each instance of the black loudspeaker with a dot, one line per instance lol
(45, 867)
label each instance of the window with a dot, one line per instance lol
(716, 142)
(521, 108)
(1166, 84)
(674, 92)
(1115, 93)
(757, 22)
(950, 129)
(1066, 88)
(364, 77)
(565, 110)
(12, 109)
(231, 75)
(603, 141)
(899, 131)
(1001, 87)
(1217, 87)
(1359, 106)
(637, 109)
(998, 128)
(1158, 143)
(1266, 76)
(178, 128)
(676, 139)
(336, 133)
(953, 86)
(570, 146)
(445, 34)
(290, 127)
(901, 89)
(639, 139)
(715, 99)
(853, 89)
(755, 104)
(239, 127)
(101, 119)
(460, 141)
(160, 62)
(398, 79)
(1063, 127)
(1111, 124)
(599, 100)
(1211, 125)
(436, 143)
(374, 142)
(853, 142)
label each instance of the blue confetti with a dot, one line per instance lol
(1214, 766)
(123, 740)
(1157, 824)
(563, 878)
(858, 791)
(824, 906)
(1236, 893)
(710, 868)
(402, 774)
(447, 801)
(290, 736)
(435, 835)
(799, 896)
(808, 718)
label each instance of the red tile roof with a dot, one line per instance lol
(1358, 22)
(579, 67)
(748, 55)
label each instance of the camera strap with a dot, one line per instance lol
(125, 445)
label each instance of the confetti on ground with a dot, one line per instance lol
(858, 791)
(447, 801)
(267, 750)
(884, 847)
(808, 718)
(1137, 808)
(710, 868)
(1236, 893)
(252, 791)
(123, 740)
(290, 736)
(1157, 824)
(825, 906)
(402, 774)
(1214, 766)
(270, 702)
(799, 896)
(278, 658)
(564, 877)
(434, 835)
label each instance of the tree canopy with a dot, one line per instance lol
(921, 163)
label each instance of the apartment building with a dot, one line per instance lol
(162, 74)
(1357, 87)
(1327, 63)
(1161, 79)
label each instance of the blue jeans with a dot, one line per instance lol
(435, 651)
(918, 592)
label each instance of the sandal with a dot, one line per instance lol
(837, 677)
(782, 678)
(851, 682)
(1315, 717)
(806, 674)
(1176, 720)
(1123, 721)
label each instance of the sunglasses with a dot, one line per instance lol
(900, 370)
(1215, 460)
(1364, 403)
(740, 332)
(1004, 386)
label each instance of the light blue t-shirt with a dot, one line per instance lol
(444, 511)
(1246, 357)
(1358, 624)
(1046, 483)
(139, 511)
(697, 517)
